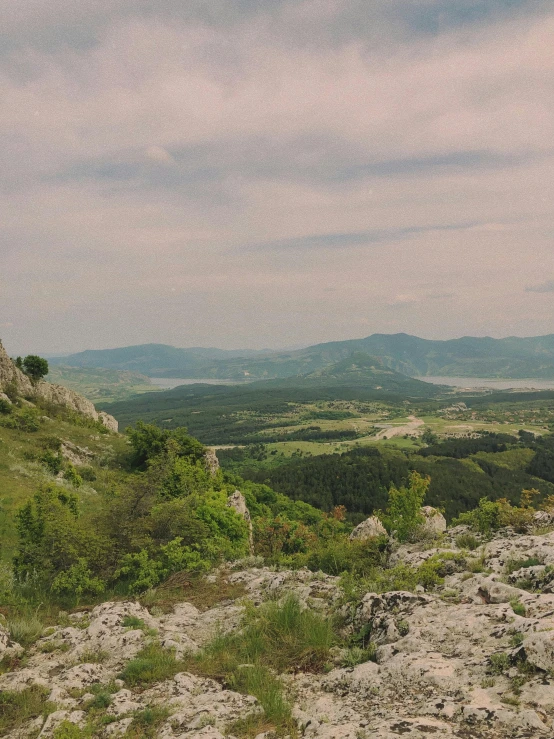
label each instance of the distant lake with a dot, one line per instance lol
(492, 384)
(167, 383)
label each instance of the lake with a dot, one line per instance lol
(490, 383)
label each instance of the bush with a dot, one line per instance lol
(5, 407)
(403, 516)
(491, 515)
(467, 541)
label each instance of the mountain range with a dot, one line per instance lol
(512, 357)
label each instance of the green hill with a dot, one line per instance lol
(511, 357)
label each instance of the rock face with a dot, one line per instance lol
(371, 528)
(238, 502)
(457, 663)
(434, 524)
(211, 461)
(10, 375)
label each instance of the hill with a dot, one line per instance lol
(511, 357)
(362, 370)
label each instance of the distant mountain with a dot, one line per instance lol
(154, 360)
(468, 356)
(359, 370)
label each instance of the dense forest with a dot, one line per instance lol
(462, 471)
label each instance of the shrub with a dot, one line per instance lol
(77, 581)
(467, 541)
(5, 407)
(403, 516)
(146, 722)
(72, 476)
(517, 607)
(53, 462)
(491, 515)
(498, 663)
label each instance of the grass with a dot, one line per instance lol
(152, 664)
(519, 564)
(517, 607)
(25, 630)
(276, 638)
(145, 723)
(195, 589)
(94, 656)
(467, 541)
(18, 707)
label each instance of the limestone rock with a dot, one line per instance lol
(434, 524)
(237, 501)
(539, 649)
(211, 461)
(371, 528)
(11, 375)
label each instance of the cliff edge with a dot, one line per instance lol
(12, 376)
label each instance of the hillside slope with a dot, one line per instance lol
(15, 383)
(510, 357)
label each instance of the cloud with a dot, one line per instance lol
(213, 172)
(543, 287)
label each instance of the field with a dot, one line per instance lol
(100, 385)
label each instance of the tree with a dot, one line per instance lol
(403, 515)
(35, 367)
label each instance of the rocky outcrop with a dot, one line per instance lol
(371, 528)
(211, 461)
(471, 659)
(12, 377)
(434, 523)
(237, 501)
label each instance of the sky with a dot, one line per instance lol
(272, 173)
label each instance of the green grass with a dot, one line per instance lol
(152, 664)
(25, 630)
(18, 707)
(276, 638)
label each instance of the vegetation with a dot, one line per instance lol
(35, 367)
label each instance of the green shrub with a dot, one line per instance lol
(53, 462)
(498, 663)
(6, 407)
(467, 541)
(72, 476)
(403, 515)
(512, 565)
(517, 607)
(491, 515)
(67, 730)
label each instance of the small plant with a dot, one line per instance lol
(54, 646)
(146, 722)
(403, 628)
(357, 655)
(152, 664)
(467, 541)
(517, 607)
(133, 622)
(516, 639)
(488, 682)
(509, 700)
(25, 630)
(499, 663)
(67, 730)
(94, 656)
(512, 565)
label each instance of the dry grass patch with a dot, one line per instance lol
(195, 589)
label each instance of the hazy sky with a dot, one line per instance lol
(266, 173)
